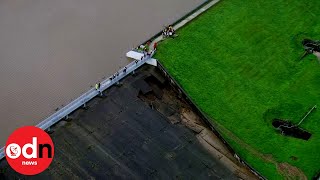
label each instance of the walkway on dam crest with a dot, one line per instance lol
(107, 83)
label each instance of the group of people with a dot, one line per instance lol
(117, 74)
(169, 32)
(98, 85)
(145, 49)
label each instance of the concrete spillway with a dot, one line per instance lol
(51, 52)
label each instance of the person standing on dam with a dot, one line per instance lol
(155, 46)
(98, 87)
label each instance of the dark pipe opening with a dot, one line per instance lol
(288, 129)
(311, 45)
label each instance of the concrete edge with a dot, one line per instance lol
(187, 18)
(208, 3)
(56, 117)
(86, 97)
(181, 91)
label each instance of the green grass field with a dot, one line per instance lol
(239, 64)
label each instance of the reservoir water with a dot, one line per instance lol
(52, 51)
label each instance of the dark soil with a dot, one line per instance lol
(288, 129)
(294, 158)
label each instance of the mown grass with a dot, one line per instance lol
(239, 63)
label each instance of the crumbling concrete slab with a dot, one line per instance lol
(122, 137)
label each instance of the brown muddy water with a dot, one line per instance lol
(52, 51)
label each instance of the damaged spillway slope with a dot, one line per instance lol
(139, 129)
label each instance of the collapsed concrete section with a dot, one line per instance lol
(139, 129)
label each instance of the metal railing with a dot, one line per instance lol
(84, 98)
(87, 96)
(2, 154)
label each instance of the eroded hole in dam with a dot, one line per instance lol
(134, 132)
(289, 129)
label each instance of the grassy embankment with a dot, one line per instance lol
(239, 63)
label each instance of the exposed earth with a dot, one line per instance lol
(141, 129)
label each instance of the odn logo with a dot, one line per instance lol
(29, 150)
